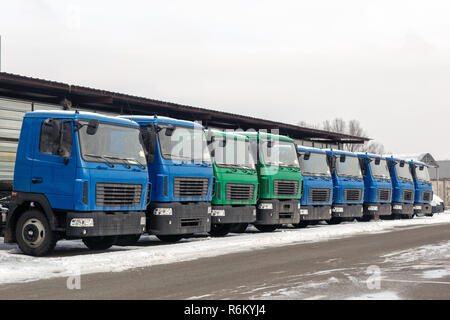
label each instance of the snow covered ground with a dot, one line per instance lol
(72, 257)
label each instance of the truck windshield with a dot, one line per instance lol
(279, 153)
(182, 143)
(422, 175)
(349, 168)
(235, 153)
(403, 172)
(112, 143)
(380, 170)
(316, 165)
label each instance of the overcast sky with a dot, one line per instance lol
(385, 63)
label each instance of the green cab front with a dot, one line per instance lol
(236, 182)
(280, 180)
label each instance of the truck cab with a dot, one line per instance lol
(181, 174)
(377, 186)
(236, 182)
(403, 188)
(279, 179)
(77, 175)
(423, 189)
(317, 190)
(348, 185)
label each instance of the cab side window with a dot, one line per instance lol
(50, 141)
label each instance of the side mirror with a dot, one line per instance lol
(92, 127)
(222, 143)
(421, 168)
(269, 144)
(402, 164)
(213, 153)
(342, 158)
(149, 141)
(377, 161)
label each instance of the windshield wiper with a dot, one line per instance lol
(134, 159)
(100, 157)
(124, 161)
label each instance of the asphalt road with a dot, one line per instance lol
(335, 269)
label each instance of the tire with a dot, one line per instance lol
(220, 230)
(171, 238)
(407, 216)
(33, 234)
(127, 240)
(239, 227)
(334, 220)
(429, 214)
(266, 227)
(301, 224)
(314, 222)
(99, 243)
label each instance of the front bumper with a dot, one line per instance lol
(347, 210)
(422, 208)
(309, 213)
(105, 223)
(233, 214)
(187, 218)
(377, 209)
(282, 212)
(402, 208)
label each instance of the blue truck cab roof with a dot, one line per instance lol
(147, 120)
(80, 116)
(311, 149)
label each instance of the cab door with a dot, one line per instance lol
(54, 162)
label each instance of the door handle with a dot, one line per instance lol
(36, 180)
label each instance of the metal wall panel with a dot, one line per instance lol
(11, 115)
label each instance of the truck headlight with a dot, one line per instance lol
(209, 210)
(82, 222)
(265, 206)
(162, 212)
(143, 221)
(218, 213)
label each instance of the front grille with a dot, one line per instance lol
(118, 194)
(426, 196)
(352, 194)
(184, 187)
(319, 195)
(285, 187)
(239, 191)
(408, 195)
(384, 194)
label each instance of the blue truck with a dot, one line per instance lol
(182, 176)
(77, 175)
(317, 190)
(403, 188)
(423, 189)
(348, 185)
(377, 186)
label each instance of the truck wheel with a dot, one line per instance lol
(301, 224)
(171, 238)
(408, 216)
(127, 240)
(220, 230)
(334, 220)
(239, 227)
(100, 243)
(266, 227)
(429, 214)
(33, 234)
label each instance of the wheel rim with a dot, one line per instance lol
(33, 232)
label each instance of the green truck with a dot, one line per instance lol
(280, 180)
(236, 182)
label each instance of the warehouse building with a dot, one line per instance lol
(19, 94)
(440, 179)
